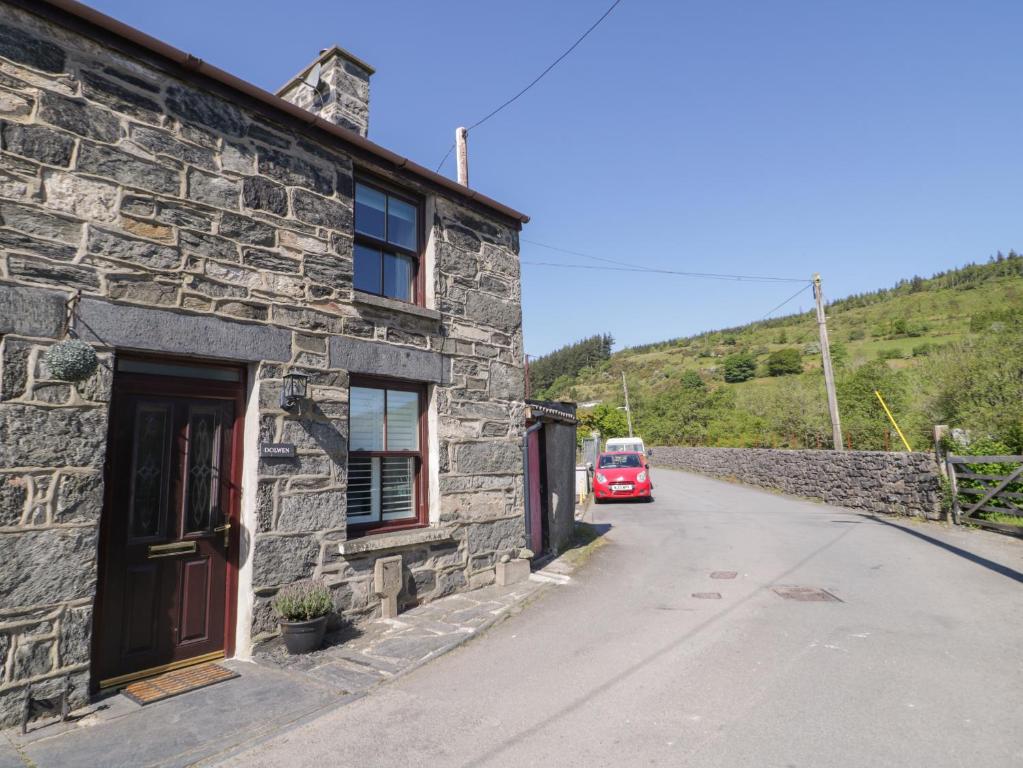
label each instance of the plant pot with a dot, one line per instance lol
(303, 636)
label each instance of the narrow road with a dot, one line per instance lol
(919, 663)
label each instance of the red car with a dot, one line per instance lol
(622, 475)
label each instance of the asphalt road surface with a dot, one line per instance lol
(919, 661)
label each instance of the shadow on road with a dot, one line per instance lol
(991, 565)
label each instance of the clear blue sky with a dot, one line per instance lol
(865, 140)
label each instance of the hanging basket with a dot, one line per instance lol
(71, 360)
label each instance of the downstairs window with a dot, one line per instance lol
(386, 449)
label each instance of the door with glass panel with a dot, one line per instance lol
(171, 501)
(386, 456)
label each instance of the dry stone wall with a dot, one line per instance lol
(196, 224)
(892, 483)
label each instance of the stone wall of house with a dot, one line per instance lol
(892, 483)
(196, 224)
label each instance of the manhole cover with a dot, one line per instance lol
(723, 574)
(806, 594)
(707, 595)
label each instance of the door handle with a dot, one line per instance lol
(172, 549)
(226, 529)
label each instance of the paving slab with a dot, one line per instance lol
(348, 677)
(186, 728)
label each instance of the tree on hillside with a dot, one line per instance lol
(605, 419)
(739, 367)
(784, 362)
(568, 361)
(692, 380)
(839, 354)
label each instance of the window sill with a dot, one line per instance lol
(393, 305)
(381, 542)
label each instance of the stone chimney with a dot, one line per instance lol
(334, 87)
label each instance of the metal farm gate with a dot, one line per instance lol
(987, 491)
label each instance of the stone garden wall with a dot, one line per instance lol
(893, 483)
(194, 223)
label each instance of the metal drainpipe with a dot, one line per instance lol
(525, 482)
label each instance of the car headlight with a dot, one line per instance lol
(601, 478)
(641, 477)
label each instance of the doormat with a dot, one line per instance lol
(177, 682)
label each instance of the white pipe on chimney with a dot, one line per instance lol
(462, 155)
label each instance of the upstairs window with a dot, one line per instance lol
(385, 455)
(387, 261)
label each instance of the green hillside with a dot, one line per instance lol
(945, 349)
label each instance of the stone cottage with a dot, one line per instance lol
(310, 356)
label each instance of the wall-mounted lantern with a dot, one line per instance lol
(294, 390)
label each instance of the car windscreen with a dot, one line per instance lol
(615, 461)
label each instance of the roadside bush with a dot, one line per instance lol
(862, 416)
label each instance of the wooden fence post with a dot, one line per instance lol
(950, 473)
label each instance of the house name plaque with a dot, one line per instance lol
(276, 450)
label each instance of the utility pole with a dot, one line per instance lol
(829, 374)
(628, 410)
(462, 155)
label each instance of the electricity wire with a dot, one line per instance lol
(649, 270)
(535, 80)
(790, 298)
(629, 267)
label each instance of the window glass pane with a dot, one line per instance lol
(363, 489)
(402, 420)
(370, 209)
(366, 423)
(397, 488)
(148, 492)
(367, 269)
(203, 445)
(397, 277)
(401, 223)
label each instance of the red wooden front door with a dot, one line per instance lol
(172, 497)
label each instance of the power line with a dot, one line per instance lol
(537, 79)
(641, 268)
(649, 270)
(585, 255)
(790, 298)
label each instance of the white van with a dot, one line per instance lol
(625, 444)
